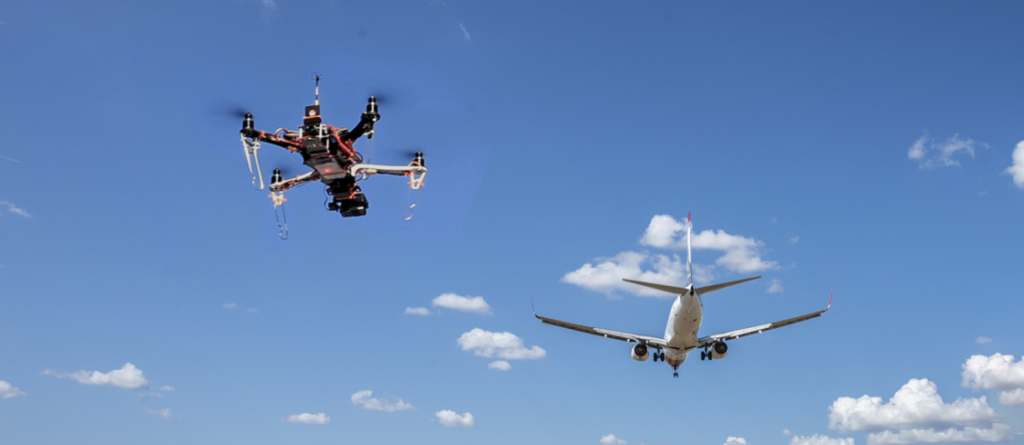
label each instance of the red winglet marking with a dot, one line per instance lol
(687, 216)
(829, 297)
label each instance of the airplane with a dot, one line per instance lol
(683, 322)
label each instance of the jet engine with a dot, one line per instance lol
(720, 350)
(640, 352)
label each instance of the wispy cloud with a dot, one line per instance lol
(931, 154)
(230, 305)
(7, 391)
(151, 394)
(504, 345)
(9, 159)
(775, 286)
(161, 413)
(460, 303)
(363, 400)
(451, 419)
(167, 388)
(982, 340)
(252, 311)
(1017, 169)
(128, 377)
(465, 33)
(312, 419)
(15, 209)
(417, 311)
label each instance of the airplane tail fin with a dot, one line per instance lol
(689, 256)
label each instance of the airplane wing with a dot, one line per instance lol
(711, 339)
(606, 333)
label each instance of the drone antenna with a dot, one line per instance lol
(317, 99)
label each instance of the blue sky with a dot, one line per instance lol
(865, 146)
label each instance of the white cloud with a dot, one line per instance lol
(230, 305)
(464, 304)
(167, 388)
(465, 33)
(1017, 169)
(998, 433)
(787, 432)
(1012, 398)
(661, 232)
(998, 371)
(735, 441)
(742, 254)
(916, 151)
(775, 286)
(128, 377)
(500, 365)
(252, 311)
(503, 345)
(982, 340)
(940, 154)
(606, 277)
(363, 399)
(611, 440)
(161, 413)
(451, 419)
(417, 311)
(7, 391)
(819, 439)
(314, 419)
(917, 405)
(15, 209)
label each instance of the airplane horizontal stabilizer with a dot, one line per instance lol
(661, 287)
(709, 289)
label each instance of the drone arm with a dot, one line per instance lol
(366, 121)
(279, 185)
(415, 172)
(271, 138)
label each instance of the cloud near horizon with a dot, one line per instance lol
(451, 419)
(312, 419)
(363, 400)
(128, 377)
(504, 345)
(999, 372)
(7, 391)
(464, 304)
(919, 415)
(1016, 170)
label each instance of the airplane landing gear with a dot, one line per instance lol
(675, 371)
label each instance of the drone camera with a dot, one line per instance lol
(312, 115)
(356, 206)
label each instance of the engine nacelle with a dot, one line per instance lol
(719, 350)
(641, 352)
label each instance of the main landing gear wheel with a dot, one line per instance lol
(703, 355)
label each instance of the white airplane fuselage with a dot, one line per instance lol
(681, 332)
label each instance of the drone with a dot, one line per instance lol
(330, 152)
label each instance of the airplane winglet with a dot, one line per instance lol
(535, 309)
(829, 298)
